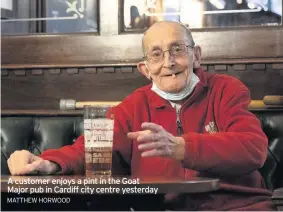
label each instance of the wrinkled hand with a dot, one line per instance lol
(155, 141)
(23, 162)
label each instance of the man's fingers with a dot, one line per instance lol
(16, 162)
(149, 137)
(151, 145)
(33, 167)
(34, 158)
(154, 152)
(19, 162)
(135, 135)
(151, 126)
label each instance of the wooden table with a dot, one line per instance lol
(117, 185)
(277, 198)
(143, 194)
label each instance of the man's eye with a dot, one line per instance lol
(177, 49)
(156, 54)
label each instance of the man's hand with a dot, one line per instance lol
(23, 162)
(155, 141)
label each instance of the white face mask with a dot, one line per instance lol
(191, 84)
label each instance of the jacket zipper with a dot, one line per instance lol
(179, 123)
(180, 131)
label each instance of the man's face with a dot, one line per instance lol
(172, 73)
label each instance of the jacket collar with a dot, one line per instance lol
(158, 102)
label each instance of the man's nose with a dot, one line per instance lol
(169, 60)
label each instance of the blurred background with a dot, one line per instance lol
(203, 13)
(62, 16)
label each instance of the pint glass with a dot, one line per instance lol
(98, 139)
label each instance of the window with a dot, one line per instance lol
(140, 14)
(50, 16)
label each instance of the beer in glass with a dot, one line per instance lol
(98, 138)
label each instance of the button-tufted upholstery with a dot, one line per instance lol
(272, 171)
(37, 133)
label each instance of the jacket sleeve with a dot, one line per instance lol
(70, 158)
(239, 148)
(122, 146)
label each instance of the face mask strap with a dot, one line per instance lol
(149, 75)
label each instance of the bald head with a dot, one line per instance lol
(164, 28)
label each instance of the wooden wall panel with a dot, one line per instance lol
(39, 70)
(43, 88)
(33, 91)
(253, 44)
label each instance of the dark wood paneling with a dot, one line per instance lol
(261, 79)
(78, 112)
(256, 44)
(41, 112)
(43, 88)
(39, 70)
(44, 91)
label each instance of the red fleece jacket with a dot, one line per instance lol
(223, 140)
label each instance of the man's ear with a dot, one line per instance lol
(197, 56)
(144, 70)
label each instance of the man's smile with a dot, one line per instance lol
(173, 74)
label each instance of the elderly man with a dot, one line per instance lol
(186, 123)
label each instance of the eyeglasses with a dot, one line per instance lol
(157, 55)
